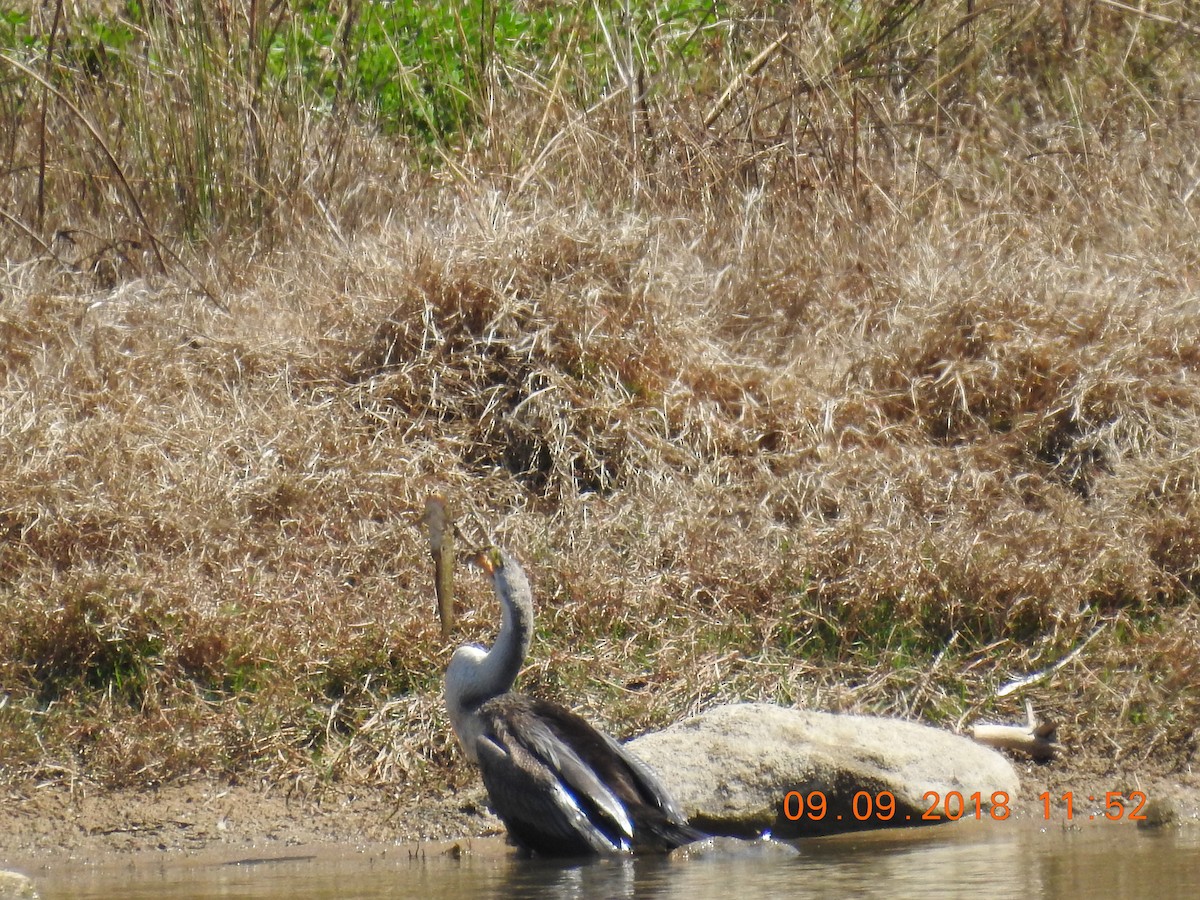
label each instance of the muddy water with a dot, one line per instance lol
(992, 860)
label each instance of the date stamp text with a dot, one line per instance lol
(953, 805)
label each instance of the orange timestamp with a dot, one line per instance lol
(953, 805)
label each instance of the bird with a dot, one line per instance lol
(561, 786)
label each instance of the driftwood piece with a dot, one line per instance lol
(1037, 739)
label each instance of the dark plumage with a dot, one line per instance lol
(561, 787)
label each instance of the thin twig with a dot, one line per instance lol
(41, 185)
(1155, 17)
(99, 139)
(32, 235)
(156, 243)
(1046, 673)
(745, 75)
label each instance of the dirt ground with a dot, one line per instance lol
(42, 821)
(53, 821)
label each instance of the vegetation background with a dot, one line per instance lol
(840, 354)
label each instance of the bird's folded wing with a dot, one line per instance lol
(534, 803)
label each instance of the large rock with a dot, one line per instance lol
(734, 768)
(15, 886)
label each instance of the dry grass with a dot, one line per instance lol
(871, 396)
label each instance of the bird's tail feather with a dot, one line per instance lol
(662, 834)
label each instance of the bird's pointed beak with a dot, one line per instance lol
(489, 560)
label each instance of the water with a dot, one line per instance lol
(993, 860)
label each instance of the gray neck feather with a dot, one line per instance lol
(497, 670)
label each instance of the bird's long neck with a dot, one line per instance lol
(494, 672)
(499, 668)
(475, 675)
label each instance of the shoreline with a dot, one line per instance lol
(51, 823)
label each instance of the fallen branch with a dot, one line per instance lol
(1037, 739)
(1046, 673)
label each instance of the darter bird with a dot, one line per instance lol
(561, 787)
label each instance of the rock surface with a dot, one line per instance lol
(733, 769)
(15, 885)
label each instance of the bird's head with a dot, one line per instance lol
(507, 577)
(490, 560)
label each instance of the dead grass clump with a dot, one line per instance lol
(101, 634)
(1069, 389)
(569, 358)
(1133, 696)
